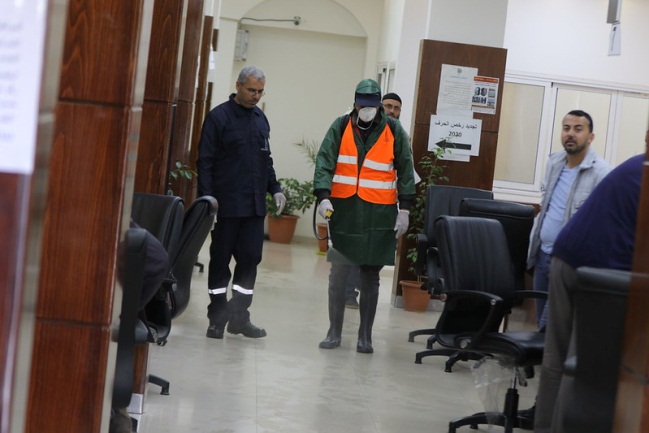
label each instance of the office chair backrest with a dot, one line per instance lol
(517, 220)
(161, 215)
(132, 277)
(446, 200)
(474, 255)
(197, 223)
(588, 397)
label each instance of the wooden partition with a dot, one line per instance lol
(479, 171)
(87, 213)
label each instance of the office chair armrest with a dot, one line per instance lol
(422, 245)
(520, 295)
(492, 320)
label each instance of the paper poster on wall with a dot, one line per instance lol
(456, 90)
(459, 136)
(22, 30)
(485, 94)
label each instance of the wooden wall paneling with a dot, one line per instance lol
(90, 188)
(165, 51)
(161, 93)
(432, 54)
(22, 208)
(632, 407)
(181, 139)
(201, 99)
(180, 143)
(478, 172)
(191, 49)
(153, 152)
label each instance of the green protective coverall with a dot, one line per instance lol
(363, 232)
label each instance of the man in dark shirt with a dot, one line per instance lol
(234, 166)
(602, 235)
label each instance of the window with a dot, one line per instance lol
(530, 128)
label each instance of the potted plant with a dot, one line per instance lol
(431, 172)
(310, 149)
(299, 198)
(179, 172)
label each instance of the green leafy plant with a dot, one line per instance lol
(431, 170)
(299, 197)
(309, 148)
(180, 171)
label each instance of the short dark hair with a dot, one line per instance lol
(581, 113)
(392, 96)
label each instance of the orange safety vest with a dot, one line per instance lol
(377, 180)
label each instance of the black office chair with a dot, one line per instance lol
(475, 259)
(517, 220)
(197, 223)
(588, 389)
(132, 276)
(479, 275)
(173, 297)
(440, 200)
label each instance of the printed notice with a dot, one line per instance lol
(22, 30)
(485, 93)
(459, 136)
(455, 90)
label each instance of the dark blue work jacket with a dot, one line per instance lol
(234, 163)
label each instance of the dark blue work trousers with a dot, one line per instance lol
(241, 239)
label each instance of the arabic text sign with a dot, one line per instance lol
(459, 135)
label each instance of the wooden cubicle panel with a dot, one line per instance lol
(632, 408)
(182, 133)
(160, 95)
(201, 104)
(479, 171)
(88, 205)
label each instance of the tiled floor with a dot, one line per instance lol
(285, 384)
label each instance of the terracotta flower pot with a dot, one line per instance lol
(282, 229)
(414, 298)
(322, 237)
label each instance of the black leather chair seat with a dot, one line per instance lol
(526, 348)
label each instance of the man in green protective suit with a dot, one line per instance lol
(364, 184)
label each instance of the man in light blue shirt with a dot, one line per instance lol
(570, 177)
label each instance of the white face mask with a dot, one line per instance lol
(367, 114)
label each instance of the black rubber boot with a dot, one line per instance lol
(369, 298)
(217, 313)
(239, 317)
(336, 317)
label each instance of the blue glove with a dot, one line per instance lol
(403, 219)
(280, 202)
(325, 209)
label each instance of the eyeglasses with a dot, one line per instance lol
(391, 107)
(254, 92)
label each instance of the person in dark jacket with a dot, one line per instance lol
(235, 167)
(363, 168)
(600, 235)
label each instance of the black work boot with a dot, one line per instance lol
(369, 298)
(336, 309)
(217, 313)
(336, 316)
(239, 317)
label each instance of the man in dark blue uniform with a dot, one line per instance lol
(234, 166)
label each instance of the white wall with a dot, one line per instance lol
(570, 38)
